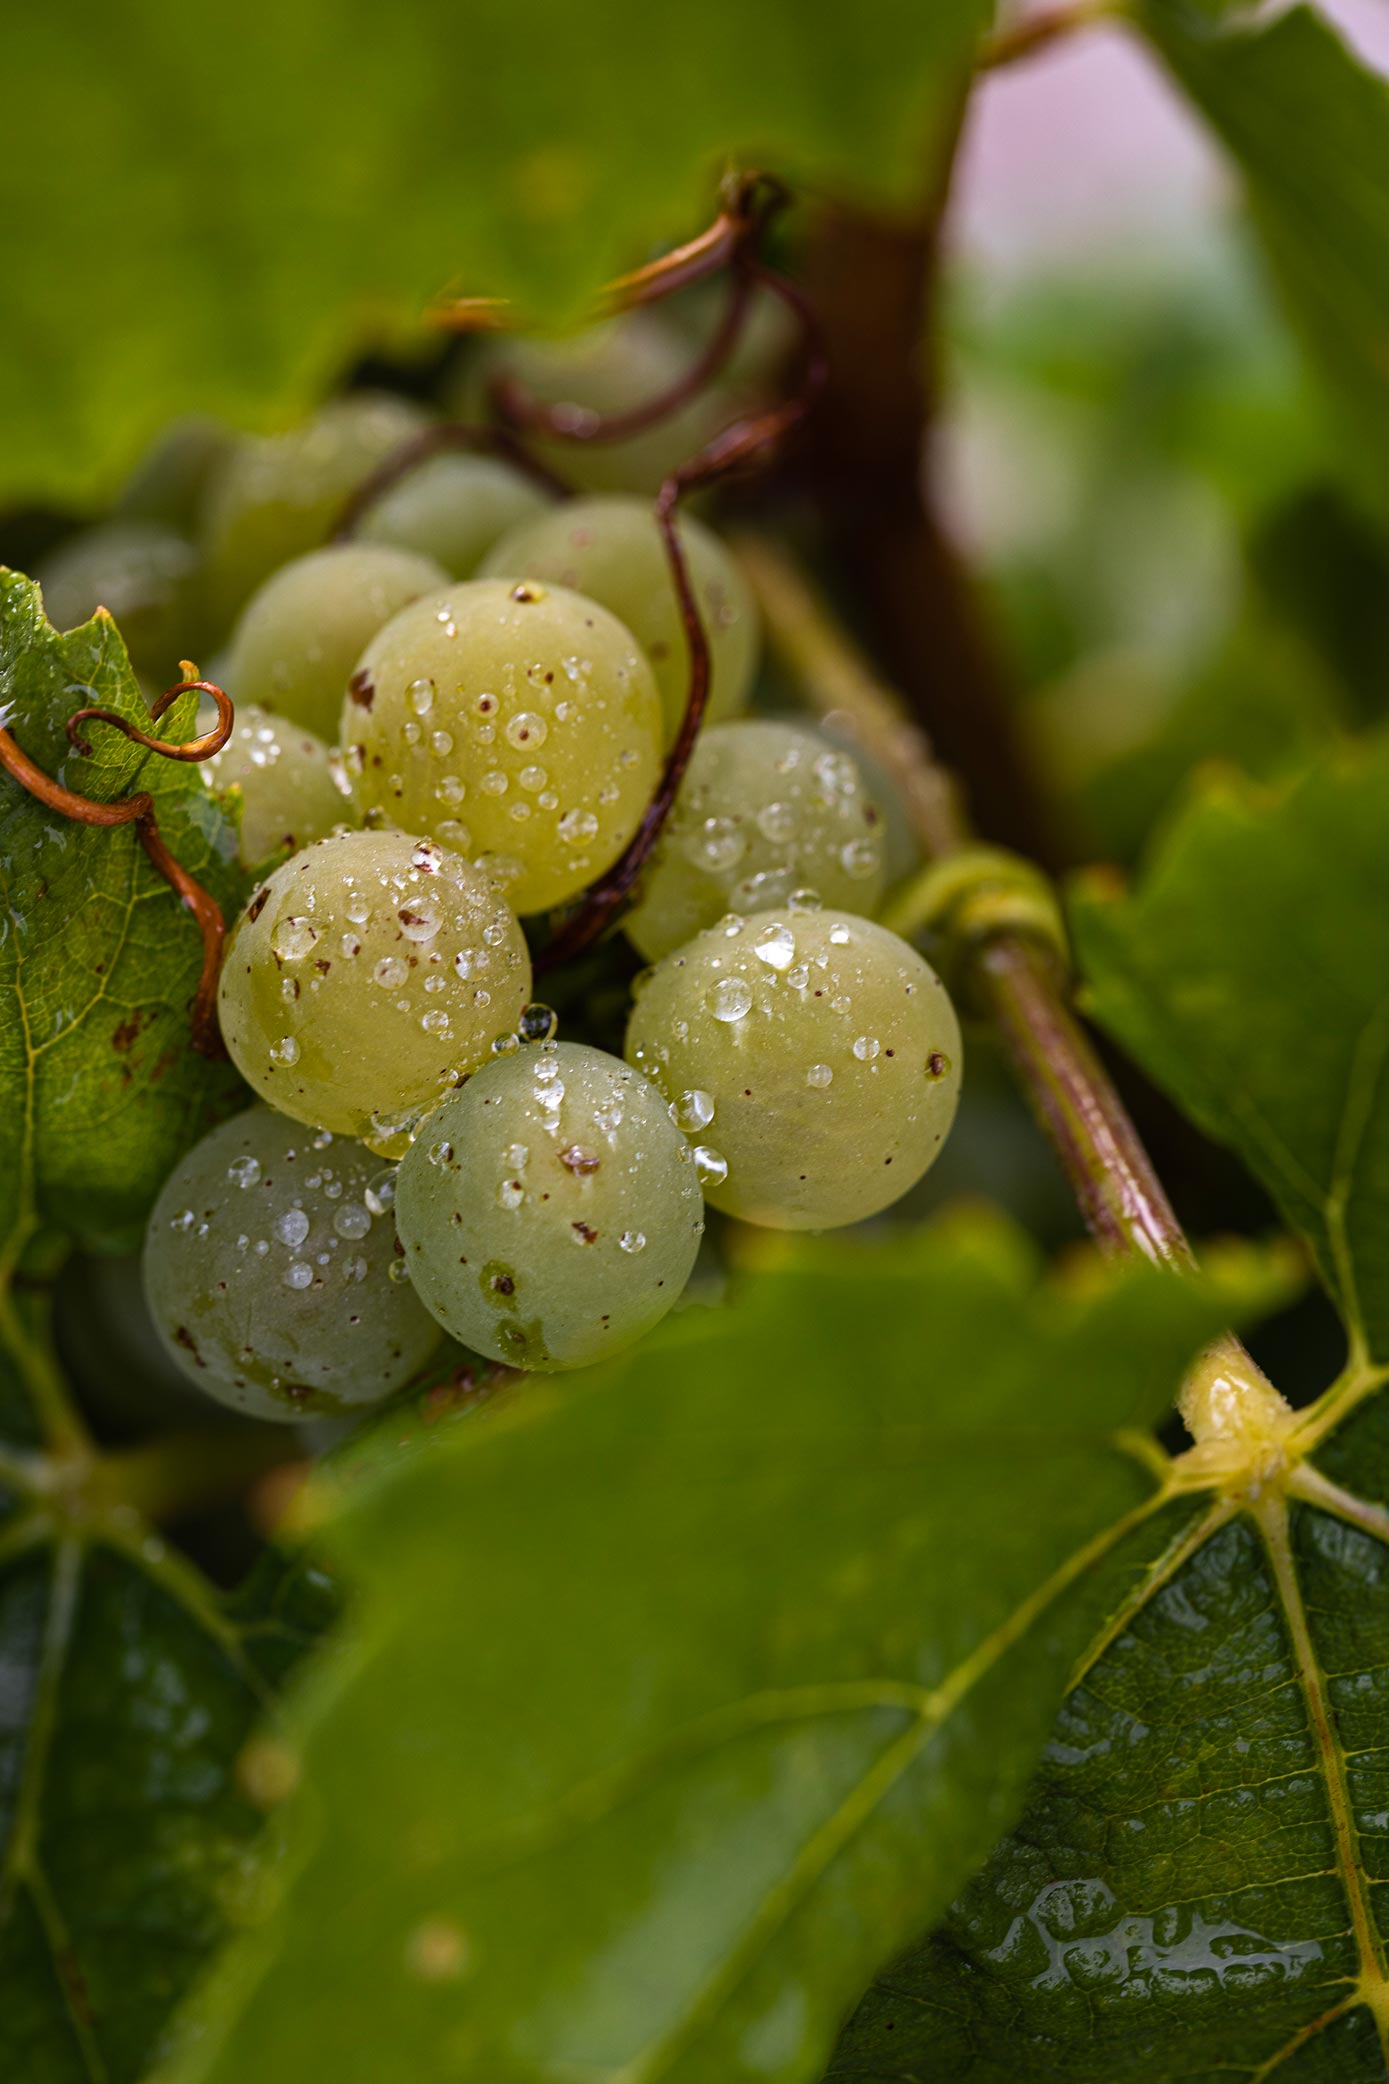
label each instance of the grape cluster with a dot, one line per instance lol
(450, 725)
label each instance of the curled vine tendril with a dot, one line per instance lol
(138, 810)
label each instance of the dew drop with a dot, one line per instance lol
(866, 1047)
(510, 1194)
(775, 946)
(527, 730)
(379, 1193)
(244, 1172)
(391, 972)
(693, 1110)
(292, 1227)
(285, 1051)
(293, 938)
(576, 826)
(711, 1167)
(419, 920)
(299, 1274)
(421, 696)
(819, 1076)
(839, 934)
(352, 1220)
(729, 999)
(859, 858)
(633, 1241)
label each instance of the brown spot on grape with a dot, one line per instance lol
(362, 688)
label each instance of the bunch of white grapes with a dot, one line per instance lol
(447, 728)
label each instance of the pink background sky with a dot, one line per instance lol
(1087, 144)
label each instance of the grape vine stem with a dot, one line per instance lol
(1018, 978)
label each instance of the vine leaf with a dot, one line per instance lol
(1197, 1888)
(586, 140)
(680, 1694)
(129, 1685)
(100, 1088)
(1308, 125)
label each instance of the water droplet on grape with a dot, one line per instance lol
(285, 1051)
(576, 826)
(711, 1166)
(293, 938)
(693, 1110)
(299, 1274)
(866, 1047)
(379, 1193)
(352, 1220)
(421, 696)
(632, 1241)
(839, 934)
(775, 946)
(527, 730)
(729, 999)
(511, 1193)
(819, 1076)
(292, 1227)
(244, 1172)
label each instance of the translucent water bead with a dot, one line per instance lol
(551, 1212)
(269, 1277)
(365, 977)
(829, 1051)
(766, 809)
(519, 724)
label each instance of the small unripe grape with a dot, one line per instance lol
(291, 789)
(365, 977)
(278, 495)
(765, 810)
(816, 1054)
(302, 633)
(140, 571)
(169, 483)
(453, 507)
(271, 1272)
(612, 550)
(519, 725)
(551, 1211)
(608, 369)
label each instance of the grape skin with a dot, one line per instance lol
(765, 809)
(519, 725)
(368, 974)
(452, 508)
(269, 1277)
(550, 1211)
(827, 1051)
(302, 633)
(612, 550)
(608, 369)
(143, 573)
(276, 496)
(291, 791)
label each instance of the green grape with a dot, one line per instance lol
(291, 791)
(367, 976)
(273, 1276)
(611, 549)
(609, 369)
(144, 574)
(551, 1211)
(170, 481)
(519, 725)
(765, 810)
(816, 1055)
(303, 631)
(278, 495)
(452, 508)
